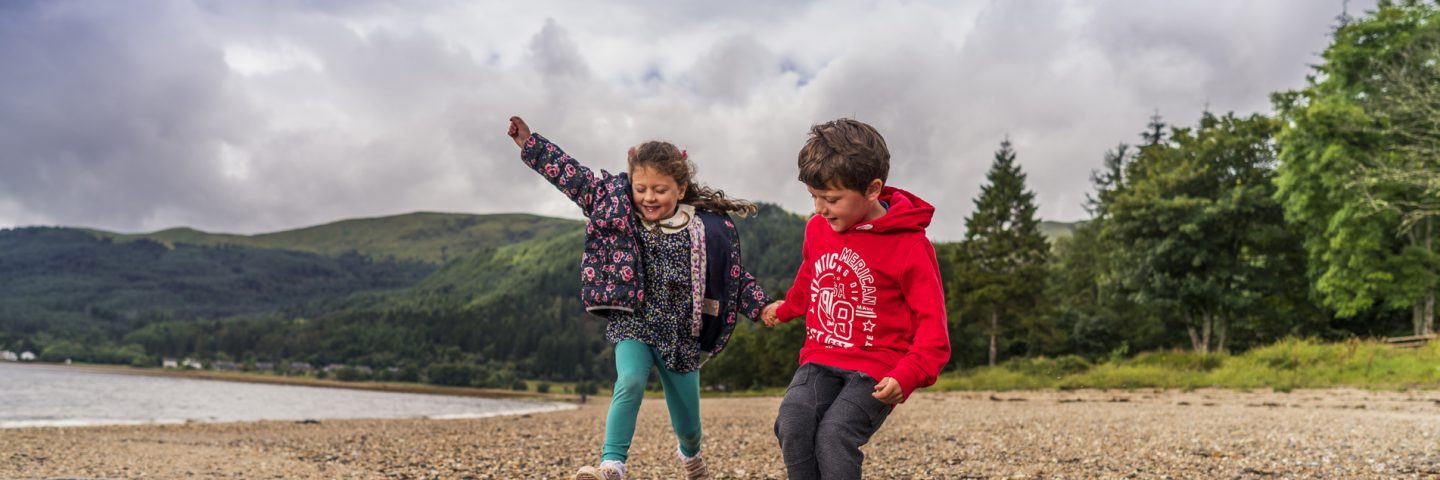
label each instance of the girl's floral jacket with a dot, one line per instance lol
(611, 276)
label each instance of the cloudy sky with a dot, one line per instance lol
(250, 117)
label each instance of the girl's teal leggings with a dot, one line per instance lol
(633, 360)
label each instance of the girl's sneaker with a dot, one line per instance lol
(606, 471)
(694, 466)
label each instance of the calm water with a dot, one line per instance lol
(43, 395)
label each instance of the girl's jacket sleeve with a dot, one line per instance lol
(752, 297)
(576, 181)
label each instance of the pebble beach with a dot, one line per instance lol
(1338, 433)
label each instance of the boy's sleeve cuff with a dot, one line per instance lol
(787, 312)
(907, 380)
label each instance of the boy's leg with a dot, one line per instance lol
(682, 396)
(847, 425)
(810, 394)
(632, 369)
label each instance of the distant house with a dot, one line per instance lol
(224, 365)
(192, 363)
(27, 356)
(9, 356)
(300, 367)
(264, 366)
(169, 363)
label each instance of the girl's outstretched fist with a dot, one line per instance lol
(519, 131)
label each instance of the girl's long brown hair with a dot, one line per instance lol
(669, 160)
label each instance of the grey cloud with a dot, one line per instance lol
(120, 115)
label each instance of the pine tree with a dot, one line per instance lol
(1007, 255)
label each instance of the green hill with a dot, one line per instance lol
(510, 305)
(424, 236)
(66, 283)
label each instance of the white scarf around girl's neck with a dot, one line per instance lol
(684, 213)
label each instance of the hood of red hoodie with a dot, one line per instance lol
(907, 212)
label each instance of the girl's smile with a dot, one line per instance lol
(656, 194)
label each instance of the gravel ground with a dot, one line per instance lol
(1048, 434)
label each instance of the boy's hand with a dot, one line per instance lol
(888, 391)
(519, 131)
(769, 314)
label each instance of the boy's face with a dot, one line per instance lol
(845, 208)
(656, 194)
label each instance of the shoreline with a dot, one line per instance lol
(75, 424)
(247, 377)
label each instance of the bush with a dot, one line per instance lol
(543, 387)
(519, 385)
(1048, 367)
(452, 374)
(351, 374)
(1181, 360)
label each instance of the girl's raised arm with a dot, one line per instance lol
(576, 181)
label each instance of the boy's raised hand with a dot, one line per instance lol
(519, 131)
(888, 391)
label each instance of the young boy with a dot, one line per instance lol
(870, 292)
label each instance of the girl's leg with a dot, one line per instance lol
(682, 396)
(632, 367)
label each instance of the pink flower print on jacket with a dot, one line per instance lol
(618, 257)
(626, 273)
(605, 200)
(734, 271)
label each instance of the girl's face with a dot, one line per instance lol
(656, 194)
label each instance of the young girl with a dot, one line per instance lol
(662, 264)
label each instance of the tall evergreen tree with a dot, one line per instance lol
(1007, 255)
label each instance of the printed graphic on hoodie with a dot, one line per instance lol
(842, 295)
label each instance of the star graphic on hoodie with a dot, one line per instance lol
(869, 326)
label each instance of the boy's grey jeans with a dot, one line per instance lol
(827, 414)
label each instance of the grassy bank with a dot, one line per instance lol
(1283, 366)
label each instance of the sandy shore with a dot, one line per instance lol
(1088, 434)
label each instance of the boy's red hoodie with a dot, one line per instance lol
(872, 297)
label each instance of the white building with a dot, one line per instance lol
(170, 363)
(27, 356)
(192, 363)
(9, 356)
